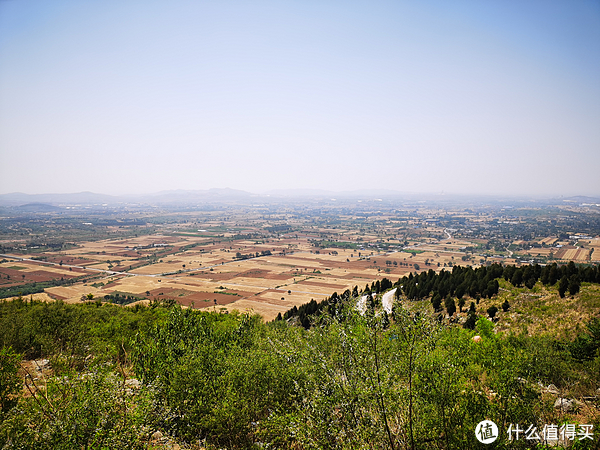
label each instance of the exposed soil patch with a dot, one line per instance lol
(358, 275)
(206, 299)
(277, 276)
(221, 276)
(322, 284)
(254, 273)
(56, 296)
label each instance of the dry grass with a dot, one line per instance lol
(267, 310)
(40, 297)
(542, 311)
(72, 294)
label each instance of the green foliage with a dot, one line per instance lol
(409, 384)
(34, 288)
(563, 285)
(450, 306)
(574, 284)
(230, 381)
(91, 410)
(436, 302)
(10, 382)
(41, 329)
(485, 328)
(121, 298)
(214, 375)
(585, 346)
(335, 244)
(471, 321)
(354, 390)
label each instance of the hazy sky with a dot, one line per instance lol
(491, 97)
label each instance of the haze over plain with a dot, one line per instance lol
(461, 97)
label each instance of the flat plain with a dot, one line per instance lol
(267, 258)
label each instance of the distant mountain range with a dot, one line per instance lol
(18, 199)
(54, 202)
(191, 196)
(370, 193)
(180, 196)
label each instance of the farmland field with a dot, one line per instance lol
(268, 258)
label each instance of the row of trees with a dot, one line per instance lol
(241, 256)
(306, 312)
(37, 287)
(570, 276)
(443, 287)
(122, 298)
(483, 281)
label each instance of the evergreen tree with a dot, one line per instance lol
(436, 302)
(471, 321)
(574, 284)
(370, 302)
(530, 283)
(460, 291)
(385, 320)
(554, 275)
(385, 284)
(517, 278)
(398, 293)
(450, 306)
(563, 286)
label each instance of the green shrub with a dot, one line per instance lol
(92, 410)
(10, 382)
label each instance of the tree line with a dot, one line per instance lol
(39, 286)
(444, 286)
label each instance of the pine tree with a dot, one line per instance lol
(574, 284)
(450, 306)
(563, 286)
(436, 302)
(471, 321)
(385, 320)
(517, 278)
